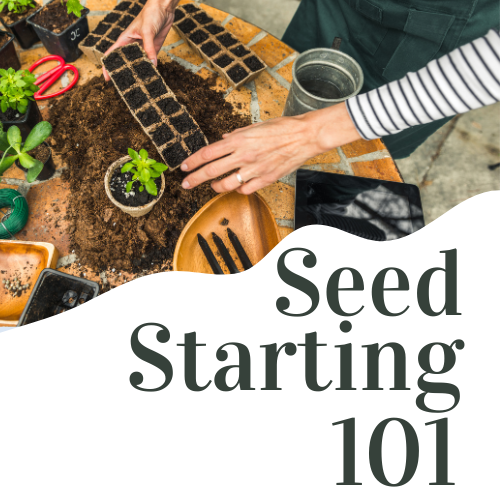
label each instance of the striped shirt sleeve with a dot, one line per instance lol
(467, 78)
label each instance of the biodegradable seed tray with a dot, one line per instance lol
(105, 34)
(230, 58)
(167, 122)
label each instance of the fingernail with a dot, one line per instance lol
(153, 61)
(185, 185)
(184, 167)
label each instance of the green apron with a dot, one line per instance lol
(390, 38)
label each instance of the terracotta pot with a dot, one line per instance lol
(133, 211)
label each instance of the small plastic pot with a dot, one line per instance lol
(133, 211)
(50, 295)
(24, 33)
(48, 170)
(8, 54)
(63, 44)
(25, 122)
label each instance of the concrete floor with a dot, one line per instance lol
(451, 166)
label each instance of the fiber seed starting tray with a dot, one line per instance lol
(106, 33)
(229, 57)
(172, 129)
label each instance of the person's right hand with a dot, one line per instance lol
(150, 28)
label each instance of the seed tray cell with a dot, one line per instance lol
(102, 28)
(123, 6)
(135, 9)
(115, 33)
(153, 104)
(125, 21)
(112, 17)
(91, 40)
(131, 52)
(237, 63)
(115, 61)
(104, 45)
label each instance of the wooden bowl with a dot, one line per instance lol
(26, 260)
(249, 217)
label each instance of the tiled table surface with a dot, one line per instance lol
(262, 99)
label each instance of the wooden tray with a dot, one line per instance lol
(26, 260)
(249, 217)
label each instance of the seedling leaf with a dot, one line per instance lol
(38, 134)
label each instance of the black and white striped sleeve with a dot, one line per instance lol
(465, 79)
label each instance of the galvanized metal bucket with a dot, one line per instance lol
(321, 78)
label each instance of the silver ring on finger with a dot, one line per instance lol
(240, 179)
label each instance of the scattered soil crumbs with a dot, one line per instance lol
(55, 17)
(92, 129)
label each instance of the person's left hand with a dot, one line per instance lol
(265, 152)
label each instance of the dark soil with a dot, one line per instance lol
(182, 123)
(115, 33)
(94, 117)
(101, 28)
(191, 8)
(237, 73)
(199, 36)
(103, 46)
(214, 29)
(112, 17)
(240, 51)
(54, 17)
(175, 155)
(169, 106)
(178, 15)
(227, 40)
(223, 61)
(144, 70)
(10, 116)
(203, 18)
(4, 38)
(136, 98)
(125, 22)
(41, 153)
(132, 52)
(123, 6)
(187, 26)
(162, 135)
(135, 10)
(156, 88)
(114, 61)
(148, 117)
(124, 79)
(91, 40)
(224, 222)
(10, 18)
(195, 142)
(135, 198)
(8, 59)
(210, 49)
(253, 63)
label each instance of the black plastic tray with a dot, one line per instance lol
(8, 54)
(24, 33)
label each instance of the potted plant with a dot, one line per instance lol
(17, 105)
(132, 183)
(8, 54)
(14, 14)
(61, 25)
(13, 149)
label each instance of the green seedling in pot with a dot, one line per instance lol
(74, 7)
(12, 148)
(16, 6)
(145, 171)
(16, 89)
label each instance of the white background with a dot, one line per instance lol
(72, 426)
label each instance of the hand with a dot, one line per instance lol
(151, 26)
(265, 152)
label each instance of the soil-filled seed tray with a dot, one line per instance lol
(237, 63)
(167, 122)
(106, 33)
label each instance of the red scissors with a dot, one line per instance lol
(53, 75)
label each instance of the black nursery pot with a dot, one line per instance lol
(24, 33)
(50, 295)
(8, 54)
(25, 122)
(48, 170)
(64, 44)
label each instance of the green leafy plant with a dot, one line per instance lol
(74, 7)
(12, 148)
(16, 89)
(16, 6)
(145, 171)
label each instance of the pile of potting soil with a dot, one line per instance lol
(93, 128)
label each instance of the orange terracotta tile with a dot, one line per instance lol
(378, 169)
(8, 186)
(272, 96)
(362, 147)
(215, 81)
(327, 167)
(218, 15)
(47, 203)
(28, 57)
(272, 50)
(94, 21)
(185, 52)
(241, 100)
(162, 56)
(242, 30)
(329, 157)
(281, 198)
(284, 231)
(286, 72)
(14, 172)
(101, 4)
(172, 37)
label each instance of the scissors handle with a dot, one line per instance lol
(52, 75)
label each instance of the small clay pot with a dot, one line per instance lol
(133, 211)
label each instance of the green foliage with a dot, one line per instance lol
(11, 142)
(145, 171)
(74, 6)
(16, 89)
(16, 6)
